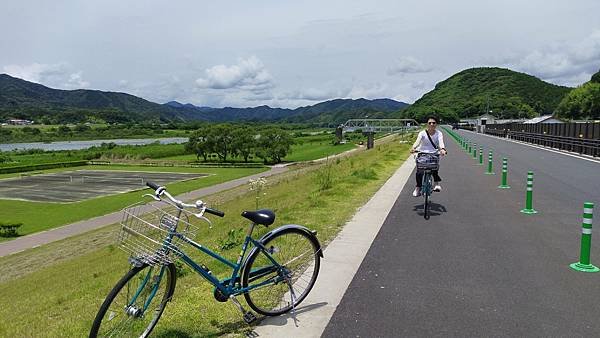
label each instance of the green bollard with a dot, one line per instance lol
(489, 170)
(469, 147)
(584, 264)
(475, 151)
(504, 184)
(529, 197)
(480, 155)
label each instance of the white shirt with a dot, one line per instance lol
(422, 144)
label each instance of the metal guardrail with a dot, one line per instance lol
(583, 146)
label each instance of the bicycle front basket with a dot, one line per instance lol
(427, 161)
(145, 228)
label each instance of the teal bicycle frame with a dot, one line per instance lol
(225, 286)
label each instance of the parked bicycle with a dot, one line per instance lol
(275, 276)
(427, 163)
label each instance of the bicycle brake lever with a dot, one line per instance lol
(153, 196)
(200, 216)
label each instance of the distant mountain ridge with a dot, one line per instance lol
(24, 99)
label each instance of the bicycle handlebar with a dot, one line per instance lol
(160, 191)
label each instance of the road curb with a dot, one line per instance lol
(342, 258)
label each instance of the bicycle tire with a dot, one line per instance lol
(427, 187)
(275, 299)
(98, 328)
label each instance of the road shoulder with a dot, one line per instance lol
(342, 258)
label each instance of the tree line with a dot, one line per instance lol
(230, 141)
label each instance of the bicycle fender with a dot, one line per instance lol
(311, 234)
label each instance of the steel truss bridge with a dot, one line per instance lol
(380, 125)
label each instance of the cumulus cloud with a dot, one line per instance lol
(568, 63)
(408, 65)
(59, 75)
(370, 91)
(314, 94)
(248, 74)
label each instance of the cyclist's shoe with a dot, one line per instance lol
(437, 188)
(417, 192)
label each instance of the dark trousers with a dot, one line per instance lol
(436, 177)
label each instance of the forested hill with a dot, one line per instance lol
(507, 93)
(582, 102)
(340, 110)
(28, 100)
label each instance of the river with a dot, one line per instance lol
(77, 145)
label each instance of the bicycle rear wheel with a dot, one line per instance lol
(135, 304)
(285, 288)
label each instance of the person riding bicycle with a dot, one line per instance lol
(429, 141)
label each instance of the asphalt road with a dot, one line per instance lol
(479, 267)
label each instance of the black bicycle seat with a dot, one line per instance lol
(262, 216)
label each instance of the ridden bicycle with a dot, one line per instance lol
(275, 276)
(427, 163)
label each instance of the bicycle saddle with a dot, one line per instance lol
(262, 216)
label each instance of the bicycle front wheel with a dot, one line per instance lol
(286, 287)
(135, 304)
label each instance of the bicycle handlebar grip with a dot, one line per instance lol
(215, 212)
(153, 185)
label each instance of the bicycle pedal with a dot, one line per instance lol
(249, 317)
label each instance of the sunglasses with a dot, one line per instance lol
(431, 122)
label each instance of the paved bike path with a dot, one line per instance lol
(477, 268)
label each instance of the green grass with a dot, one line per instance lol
(61, 299)
(308, 152)
(37, 216)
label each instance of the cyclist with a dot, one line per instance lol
(429, 141)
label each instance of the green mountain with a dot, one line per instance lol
(582, 102)
(472, 92)
(24, 99)
(27, 100)
(341, 110)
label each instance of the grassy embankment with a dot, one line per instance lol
(61, 299)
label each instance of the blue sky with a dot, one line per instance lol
(290, 54)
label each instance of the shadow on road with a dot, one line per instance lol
(283, 319)
(435, 209)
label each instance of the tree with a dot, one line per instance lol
(81, 128)
(64, 130)
(596, 78)
(221, 139)
(244, 142)
(581, 102)
(274, 144)
(199, 143)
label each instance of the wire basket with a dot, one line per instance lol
(427, 161)
(146, 228)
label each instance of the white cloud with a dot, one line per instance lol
(408, 65)
(59, 75)
(567, 63)
(369, 91)
(248, 74)
(314, 94)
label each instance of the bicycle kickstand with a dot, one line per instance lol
(248, 316)
(293, 298)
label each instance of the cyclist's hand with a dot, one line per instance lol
(443, 152)
(412, 151)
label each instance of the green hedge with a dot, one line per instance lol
(9, 229)
(175, 164)
(43, 166)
